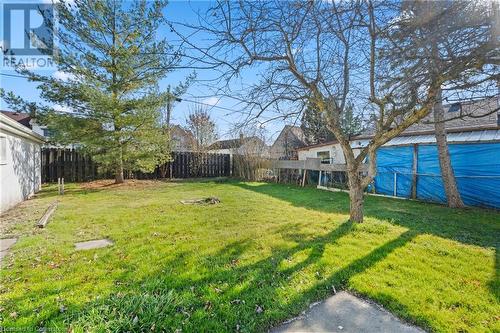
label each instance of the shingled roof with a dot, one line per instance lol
(232, 143)
(470, 115)
(22, 118)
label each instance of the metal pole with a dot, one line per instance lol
(319, 179)
(395, 183)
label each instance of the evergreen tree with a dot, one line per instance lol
(109, 65)
(314, 126)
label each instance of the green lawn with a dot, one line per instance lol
(207, 268)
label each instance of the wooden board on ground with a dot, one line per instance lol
(48, 214)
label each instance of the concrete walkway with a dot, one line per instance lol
(5, 245)
(93, 244)
(344, 312)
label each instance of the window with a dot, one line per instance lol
(455, 107)
(324, 156)
(47, 133)
(3, 150)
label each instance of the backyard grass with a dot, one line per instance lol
(278, 248)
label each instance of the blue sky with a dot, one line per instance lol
(222, 109)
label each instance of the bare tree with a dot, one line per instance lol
(437, 34)
(328, 54)
(202, 127)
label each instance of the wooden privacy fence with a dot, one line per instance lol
(77, 167)
(68, 164)
(191, 165)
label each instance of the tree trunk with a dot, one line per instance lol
(119, 174)
(449, 182)
(119, 169)
(355, 196)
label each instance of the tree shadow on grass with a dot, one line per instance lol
(224, 291)
(472, 226)
(229, 295)
(468, 226)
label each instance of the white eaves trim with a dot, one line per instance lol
(11, 126)
(459, 137)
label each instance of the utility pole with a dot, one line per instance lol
(170, 99)
(169, 107)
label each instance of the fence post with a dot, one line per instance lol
(395, 184)
(414, 172)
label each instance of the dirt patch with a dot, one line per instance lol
(23, 217)
(202, 201)
(131, 183)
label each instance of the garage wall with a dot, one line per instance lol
(20, 167)
(336, 153)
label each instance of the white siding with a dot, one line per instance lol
(20, 171)
(335, 150)
(335, 153)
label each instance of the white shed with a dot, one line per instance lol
(20, 163)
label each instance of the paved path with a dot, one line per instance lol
(344, 312)
(5, 245)
(93, 244)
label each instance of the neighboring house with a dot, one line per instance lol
(408, 165)
(472, 115)
(286, 144)
(476, 116)
(20, 161)
(182, 139)
(249, 146)
(28, 121)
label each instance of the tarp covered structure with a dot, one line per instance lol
(476, 167)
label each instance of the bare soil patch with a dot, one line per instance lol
(23, 217)
(202, 201)
(130, 183)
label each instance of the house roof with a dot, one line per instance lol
(12, 126)
(178, 131)
(473, 116)
(232, 143)
(296, 131)
(22, 118)
(469, 136)
(464, 134)
(463, 115)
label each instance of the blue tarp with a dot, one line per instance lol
(390, 161)
(476, 167)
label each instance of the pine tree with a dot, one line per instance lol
(109, 65)
(314, 126)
